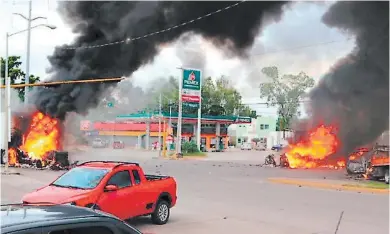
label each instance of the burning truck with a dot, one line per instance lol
(318, 149)
(36, 141)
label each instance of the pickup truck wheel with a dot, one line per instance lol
(161, 214)
(387, 176)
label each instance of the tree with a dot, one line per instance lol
(218, 98)
(16, 74)
(285, 92)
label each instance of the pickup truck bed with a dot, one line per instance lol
(155, 177)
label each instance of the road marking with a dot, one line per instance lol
(312, 184)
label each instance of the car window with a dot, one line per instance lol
(121, 179)
(84, 230)
(81, 177)
(29, 231)
(137, 178)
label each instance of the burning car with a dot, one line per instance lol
(316, 149)
(35, 141)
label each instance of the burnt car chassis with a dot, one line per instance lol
(54, 160)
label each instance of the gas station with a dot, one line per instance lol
(213, 135)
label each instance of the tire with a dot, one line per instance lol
(161, 214)
(387, 176)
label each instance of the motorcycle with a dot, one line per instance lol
(270, 160)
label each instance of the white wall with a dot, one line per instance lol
(2, 130)
(276, 137)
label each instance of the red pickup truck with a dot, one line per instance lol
(118, 188)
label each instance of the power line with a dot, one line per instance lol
(301, 47)
(268, 103)
(128, 40)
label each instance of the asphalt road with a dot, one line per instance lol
(228, 193)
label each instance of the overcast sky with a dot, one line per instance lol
(299, 42)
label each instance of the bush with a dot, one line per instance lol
(189, 147)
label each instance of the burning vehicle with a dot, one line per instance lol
(36, 141)
(315, 149)
(319, 149)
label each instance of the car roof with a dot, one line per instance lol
(21, 214)
(107, 164)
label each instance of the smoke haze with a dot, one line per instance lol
(103, 22)
(354, 95)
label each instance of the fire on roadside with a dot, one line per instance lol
(41, 137)
(13, 157)
(315, 150)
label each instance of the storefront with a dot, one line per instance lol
(142, 129)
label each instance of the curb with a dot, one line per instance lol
(327, 185)
(193, 158)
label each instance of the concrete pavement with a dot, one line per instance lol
(236, 197)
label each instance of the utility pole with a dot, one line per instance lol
(179, 117)
(159, 124)
(170, 113)
(29, 28)
(7, 106)
(198, 130)
(1, 110)
(27, 78)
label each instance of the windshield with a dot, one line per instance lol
(81, 177)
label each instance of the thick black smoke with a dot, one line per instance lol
(103, 22)
(354, 95)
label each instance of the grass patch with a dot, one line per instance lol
(369, 184)
(195, 154)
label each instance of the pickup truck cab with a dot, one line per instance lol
(118, 188)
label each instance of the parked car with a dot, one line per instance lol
(119, 188)
(260, 147)
(118, 145)
(246, 146)
(277, 147)
(59, 219)
(99, 143)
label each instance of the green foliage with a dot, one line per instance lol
(189, 147)
(285, 92)
(16, 74)
(219, 97)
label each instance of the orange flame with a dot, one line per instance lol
(315, 150)
(42, 136)
(12, 157)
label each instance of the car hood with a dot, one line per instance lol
(54, 194)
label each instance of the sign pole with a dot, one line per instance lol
(159, 124)
(198, 132)
(179, 117)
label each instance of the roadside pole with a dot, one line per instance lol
(198, 132)
(179, 117)
(159, 125)
(6, 107)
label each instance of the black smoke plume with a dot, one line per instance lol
(354, 95)
(99, 22)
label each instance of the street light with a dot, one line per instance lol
(29, 20)
(7, 116)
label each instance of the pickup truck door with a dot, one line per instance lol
(121, 202)
(140, 195)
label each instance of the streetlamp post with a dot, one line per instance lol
(29, 20)
(7, 99)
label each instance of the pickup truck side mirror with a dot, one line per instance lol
(110, 188)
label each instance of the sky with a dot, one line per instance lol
(298, 42)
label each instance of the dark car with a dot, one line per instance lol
(59, 219)
(277, 147)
